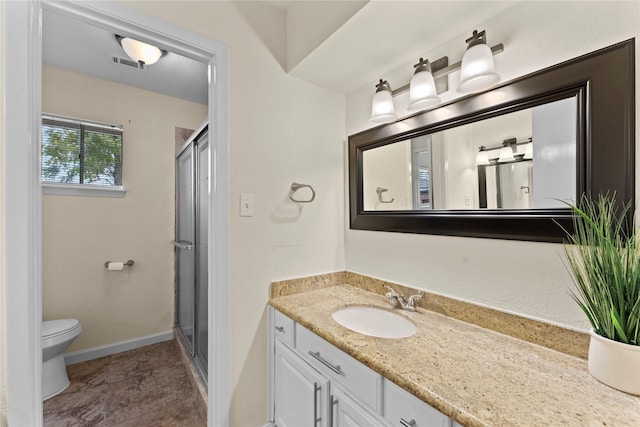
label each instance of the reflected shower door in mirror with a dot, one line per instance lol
(521, 160)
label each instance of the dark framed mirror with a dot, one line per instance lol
(501, 163)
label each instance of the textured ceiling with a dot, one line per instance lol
(378, 38)
(76, 46)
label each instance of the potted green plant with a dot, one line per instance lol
(603, 256)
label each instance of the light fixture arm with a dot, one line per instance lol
(445, 71)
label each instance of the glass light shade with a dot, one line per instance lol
(382, 110)
(506, 155)
(528, 151)
(477, 69)
(141, 52)
(482, 158)
(422, 91)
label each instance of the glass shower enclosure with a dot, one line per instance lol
(191, 246)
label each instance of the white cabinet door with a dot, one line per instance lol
(301, 393)
(348, 413)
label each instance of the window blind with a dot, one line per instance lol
(78, 151)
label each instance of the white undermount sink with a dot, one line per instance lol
(374, 322)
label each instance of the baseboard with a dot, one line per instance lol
(117, 347)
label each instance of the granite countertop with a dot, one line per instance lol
(474, 375)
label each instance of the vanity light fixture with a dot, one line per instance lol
(382, 110)
(141, 52)
(422, 88)
(477, 70)
(528, 151)
(482, 158)
(506, 153)
(477, 73)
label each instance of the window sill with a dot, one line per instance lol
(49, 189)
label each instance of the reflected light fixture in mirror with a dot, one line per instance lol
(140, 52)
(506, 153)
(478, 70)
(528, 151)
(482, 158)
(382, 109)
(422, 89)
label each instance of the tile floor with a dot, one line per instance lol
(142, 387)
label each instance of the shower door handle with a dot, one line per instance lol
(185, 246)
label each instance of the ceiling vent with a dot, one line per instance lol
(129, 63)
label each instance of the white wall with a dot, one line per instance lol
(521, 277)
(81, 233)
(281, 130)
(388, 167)
(310, 22)
(3, 340)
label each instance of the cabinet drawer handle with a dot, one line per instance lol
(280, 328)
(405, 423)
(316, 389)
(317, 356)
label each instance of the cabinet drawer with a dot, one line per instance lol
(353, 376)
(283, 328)
(400, 406)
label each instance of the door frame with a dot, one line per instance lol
(22, 193)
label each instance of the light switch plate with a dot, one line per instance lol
(246, 204)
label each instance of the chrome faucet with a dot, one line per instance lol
(395, 299)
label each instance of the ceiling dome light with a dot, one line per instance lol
(422, 89)
(382, 110)
(478, 70)
(143, 53)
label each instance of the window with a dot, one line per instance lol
(79, 157)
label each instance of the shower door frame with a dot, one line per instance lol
(182, 245)
(194, 146)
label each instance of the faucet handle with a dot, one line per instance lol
(411, 303)
(392, 292)
(392, 296)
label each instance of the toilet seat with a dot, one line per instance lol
(52, 328)
(53, 331)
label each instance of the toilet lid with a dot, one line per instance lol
(57, 327)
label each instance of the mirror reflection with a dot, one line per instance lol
(521, 160)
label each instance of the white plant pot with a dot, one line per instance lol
(614, 363)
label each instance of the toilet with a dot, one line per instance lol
(57, 335)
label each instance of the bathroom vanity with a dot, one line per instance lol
(318, 384)
(448, 373)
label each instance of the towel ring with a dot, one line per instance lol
(295, 187)
(381, 190)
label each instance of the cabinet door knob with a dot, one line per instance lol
(280, 328)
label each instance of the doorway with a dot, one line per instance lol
(22, 71)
